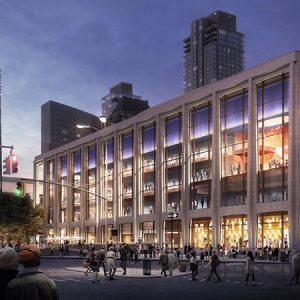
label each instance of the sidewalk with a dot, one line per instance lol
(134, 273)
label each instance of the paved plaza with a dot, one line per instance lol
(271, 283)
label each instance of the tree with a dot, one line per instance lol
(19, 219)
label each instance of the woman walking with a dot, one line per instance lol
(111, 264)
(194, 265)
(250, 267)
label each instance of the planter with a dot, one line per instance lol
(182, 267)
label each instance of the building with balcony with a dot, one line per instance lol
(223, 157)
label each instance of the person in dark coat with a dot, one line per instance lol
(163, 260)
(214, 262)
(123, 257)
(31, 283)
(9, 261)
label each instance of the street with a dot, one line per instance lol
(75, 285)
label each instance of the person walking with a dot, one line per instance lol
(296, 267)
(101, 258)
(194, 265)
(213, 262)
(95, 270)
(110, 261)
(171, 263)
(163, 260)
(123, 257)
(31, 283)
(91, 259)
(250, 267)
(9, 261)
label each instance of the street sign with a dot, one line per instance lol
(172, 215)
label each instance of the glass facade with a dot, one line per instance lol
(172, 159)
(172, 233)
(148, 157)
(126, 204)
(201, 156)
(126, 233)
(234, 231)
(148, 232)
(50, 176)
(272, 130)
(76, 182)
(201, 232)
(62, 172)
(234, 147)
(273, 230)
(109, 182)
(91, 183)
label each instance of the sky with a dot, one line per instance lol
(74, 51)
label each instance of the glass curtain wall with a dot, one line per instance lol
(127, 174)
(234, 143)
(126, 233)
(148, 232)
(63, 189)
(50, 191)
(201, 232)
(173, 158)
(201, 155)
(39, 186)
(148, 169)
(273, 230)
(272, 130)
(91, 183)
(109, 183)
(235, 231)
(76, 179)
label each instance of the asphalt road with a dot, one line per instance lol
(75, 285)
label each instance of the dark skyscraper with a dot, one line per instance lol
(214, 50)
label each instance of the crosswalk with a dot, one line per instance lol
(226, 282)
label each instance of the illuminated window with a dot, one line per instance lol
(201, 154)
(76, 180)
(148, 232)
(62, 190)
(234, 145)
(173, 157)
(50, 191)
(272, 130)
(201, 232)
(91, 183)
(109, 182)
(148, 149)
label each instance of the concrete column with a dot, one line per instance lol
(185, 193)
(159, 194)
(69, 211)
(294, 156)
(216, 176)
(136, 181)
(252, 165)
(83, 181)
(56, 196)
(99, 189)
(116, 177)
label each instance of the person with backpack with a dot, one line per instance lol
(101, 257)
(194, 265)
(214, 262)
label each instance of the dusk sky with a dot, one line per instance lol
(73, 51)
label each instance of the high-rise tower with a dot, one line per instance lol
(214, 50)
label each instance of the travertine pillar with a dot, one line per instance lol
(136, 181)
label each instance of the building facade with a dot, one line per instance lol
(214, 50)
(59, 124)
(223, 157)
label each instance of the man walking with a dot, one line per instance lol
(163, 260)
(214, 262)
(123, 256)
(296, 267)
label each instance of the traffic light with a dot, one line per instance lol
(6, 166)
(19, 189)
(14, 163)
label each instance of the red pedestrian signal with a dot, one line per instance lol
(14, 164)
(6, 165)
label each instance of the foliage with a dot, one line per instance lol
(19, 219)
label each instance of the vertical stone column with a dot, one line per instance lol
(294, 156)
(83, 181)
(100, 202)
(136, 181)
(185, 193)
(56, 197)
(252, 165)
(216, 176)
(159, 181)
(116, 177)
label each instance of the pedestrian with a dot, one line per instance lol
(163, 260)
(296, 267)
(61, 250)
(213, 262)
(95, 270)
(250, 267)
(194, 265)
(31, 283)
(171, 263)
(123, 256)
(145, 250)
(101, 258)
(111, 264)
(90, 260)
(201, 258)
(9, 261)
(136, 255)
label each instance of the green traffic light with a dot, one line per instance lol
(18, 192)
